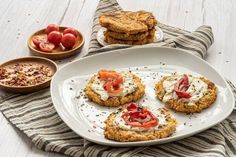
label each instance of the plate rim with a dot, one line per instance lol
(66, 118)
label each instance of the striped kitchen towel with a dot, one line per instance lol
(34, 114)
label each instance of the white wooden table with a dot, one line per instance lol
(20, 18)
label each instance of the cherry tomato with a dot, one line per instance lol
(68, 40)
(38, 39)
(51, 27)
(46, 46)
(181, 87)
(112, 80)
(182, 94)
(71, 30)
(118, 80)
(110, 88)
(55, 37)
(107, 74)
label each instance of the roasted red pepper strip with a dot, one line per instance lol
(132, 106)
(139, 117)
(181, 87)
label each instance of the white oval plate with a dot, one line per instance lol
(100, 36)
(86, 118)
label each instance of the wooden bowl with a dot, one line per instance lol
(31, 88)
(59, 52)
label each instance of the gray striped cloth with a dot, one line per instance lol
(34, 114)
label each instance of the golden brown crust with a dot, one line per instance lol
(111, 40)
(206, 101)
(128, 22)
(115, 101)
(126, 36)
(115, 133)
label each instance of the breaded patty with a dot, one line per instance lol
(128, 22)
(115, 133)
(126, 36)
(115, 101)
(111, 40)
(176, 104)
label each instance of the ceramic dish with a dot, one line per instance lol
(86, 118)
(100, 36)
(57, 53)
(29, 60)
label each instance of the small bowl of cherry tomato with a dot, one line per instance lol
(56, 42)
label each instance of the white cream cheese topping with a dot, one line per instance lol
(128, 86)
(119, 121)
(197, 88)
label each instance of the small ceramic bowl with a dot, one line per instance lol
(31, 88)
(59, 52)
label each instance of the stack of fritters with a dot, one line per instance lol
(126, 27)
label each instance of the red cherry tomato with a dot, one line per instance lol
(55, 37)
(71, 30)
(51, 27)
(181, 87)
(112, 80)
(118, 80)
(38, 39)
(68, 40)
(107, 74)
(182, 94)
(112, 89)
(46, 46)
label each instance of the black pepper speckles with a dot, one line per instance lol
(160, 126)
(82, 105)
(148, 75)
(174, 73)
